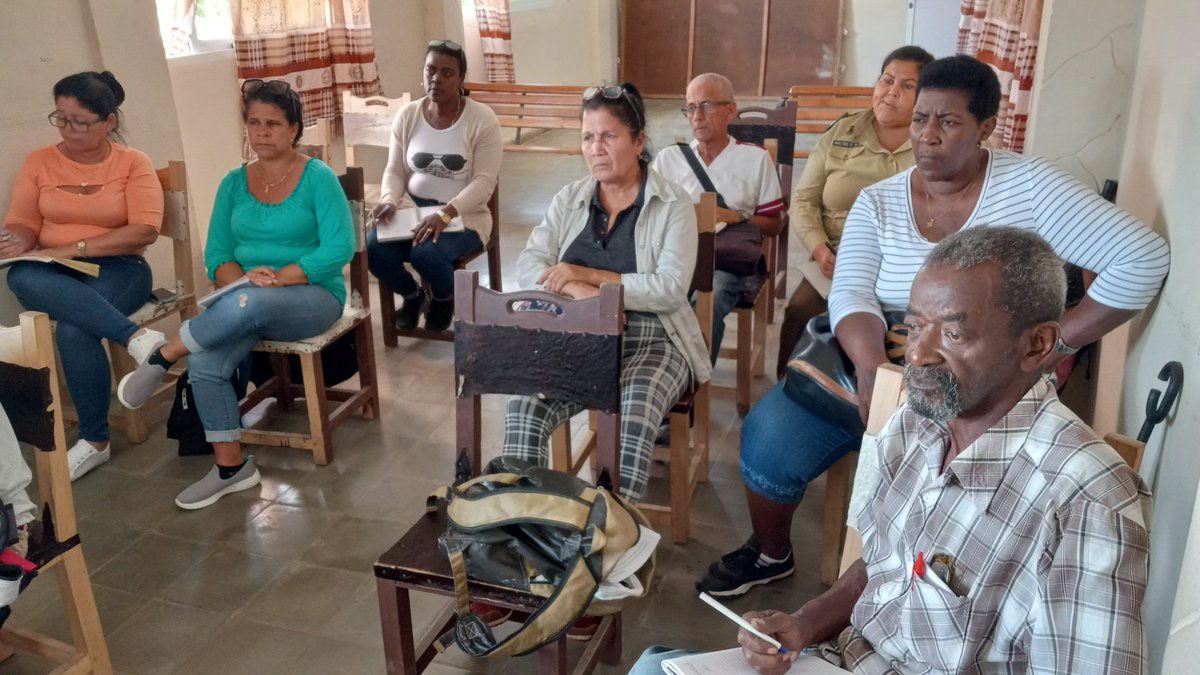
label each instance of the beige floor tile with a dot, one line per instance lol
(354, 544)
(150, 564)
(115, 608)
(303, 597)
(160, 637)
(224, 580)
(322, 656)
(243, 647)
(281, 531)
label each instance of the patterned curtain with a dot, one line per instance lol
(496, 36)
(1004, 34)
(321, 47)
(180, 21)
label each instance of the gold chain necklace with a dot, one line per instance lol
(929, 206)
(462, 104)
(85, 179)
(267, 186)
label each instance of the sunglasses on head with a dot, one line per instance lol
(450, 44)
(273, 87)
(613, 93)
(422, 160)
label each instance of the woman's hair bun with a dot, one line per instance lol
(111, 80)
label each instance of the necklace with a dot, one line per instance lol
(85, 178)
(928, 204)
(267, 186)
(457, 114)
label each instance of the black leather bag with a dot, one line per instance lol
(820, 376)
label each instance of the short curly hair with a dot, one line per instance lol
(969, 75)
(1034, 283)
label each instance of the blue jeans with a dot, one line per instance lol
(728, 288)
(220, 337)
(784, 447)
(87, 309)
(434, 262)
(651, 660)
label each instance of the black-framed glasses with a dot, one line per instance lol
(62, 121)
(707, 107)
(453, 162)
(449, 44)
(613, 92)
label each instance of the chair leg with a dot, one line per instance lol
(560, 447)
(282, 367)
(318, 407)
(387, 314)
(761, 318)
(395, 618)
(80, 606)
(837, 506)
(495, 276)
(701, 410)
(552, 658)
(368, 376)
(745, 344)
(681, 484)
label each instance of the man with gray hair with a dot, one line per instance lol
(745, 180)
(1003, 536)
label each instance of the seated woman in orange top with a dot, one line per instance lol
(88, 198)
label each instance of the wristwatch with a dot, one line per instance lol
(81, 248)
(1063, 348)
(743, 216)
(446, 217)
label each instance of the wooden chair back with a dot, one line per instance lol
(31, 399)
(819, 106)
(367, 120)
(532, 106)
(317, 141)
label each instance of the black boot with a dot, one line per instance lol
(410, 313)
(441, 314)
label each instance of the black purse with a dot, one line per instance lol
(738, 245)
(820, 377)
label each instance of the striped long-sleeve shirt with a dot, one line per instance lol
(882, 249)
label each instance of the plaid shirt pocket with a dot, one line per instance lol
(933, 623)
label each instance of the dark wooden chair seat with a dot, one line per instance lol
(485, 317)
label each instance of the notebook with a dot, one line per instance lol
(730, 662)
(404, 221)
(90, 269)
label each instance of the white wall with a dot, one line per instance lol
(1158, 184)
(565, 41)
(45, 40)
(873, 29)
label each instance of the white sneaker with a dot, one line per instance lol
(83, 457)
(142, 345)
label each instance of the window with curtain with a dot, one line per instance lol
(1004, 34)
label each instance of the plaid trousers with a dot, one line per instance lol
(654, 374)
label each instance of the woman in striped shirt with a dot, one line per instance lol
(891, 229)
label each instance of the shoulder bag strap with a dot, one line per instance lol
(701, 175)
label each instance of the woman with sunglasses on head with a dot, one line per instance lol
(283, 223)
(623, 224)
(91, 198)
(446, 150)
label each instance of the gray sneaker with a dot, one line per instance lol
(207, 490)
(137, 387)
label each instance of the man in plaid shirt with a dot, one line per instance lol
(1003, 536)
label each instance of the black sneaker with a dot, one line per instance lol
(441, 314)
(736, 573)
(410, 313)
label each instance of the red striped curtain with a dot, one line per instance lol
(320, 47)
(496, 35)
(1004, 34)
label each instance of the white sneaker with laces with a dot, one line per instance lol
(142, 345)
(83, 457)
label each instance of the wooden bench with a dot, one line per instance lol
(818, 106)
(532, 106)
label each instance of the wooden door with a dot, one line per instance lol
(763, 46)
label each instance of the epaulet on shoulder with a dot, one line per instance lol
(842, 117)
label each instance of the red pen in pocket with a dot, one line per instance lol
(918, 570)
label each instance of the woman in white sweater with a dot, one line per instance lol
(445, 151)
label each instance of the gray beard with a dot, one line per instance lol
(945, 407)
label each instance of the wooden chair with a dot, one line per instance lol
(176, 228)
(842, 545)
(688, 419)
(30, 397)
(368, 121)
(356, 318)
(752, 319)
(317, 141)
(889, 394)
(387, 297)
(757, 125)
(493, 344)
(818, 106)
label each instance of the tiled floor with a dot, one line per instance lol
(278, 579)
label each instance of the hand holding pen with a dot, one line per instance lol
(11, 245)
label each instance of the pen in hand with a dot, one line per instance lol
(743, 623)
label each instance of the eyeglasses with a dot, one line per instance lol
(613, 93)
(450, 44)
(62, 121)
(274, 87)
(706, 107)
(422, 160)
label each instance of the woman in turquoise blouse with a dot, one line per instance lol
(283, 224)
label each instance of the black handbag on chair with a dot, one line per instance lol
(820, 376)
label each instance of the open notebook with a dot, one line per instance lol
(730, 662)
(90, 269)
(404, 221)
